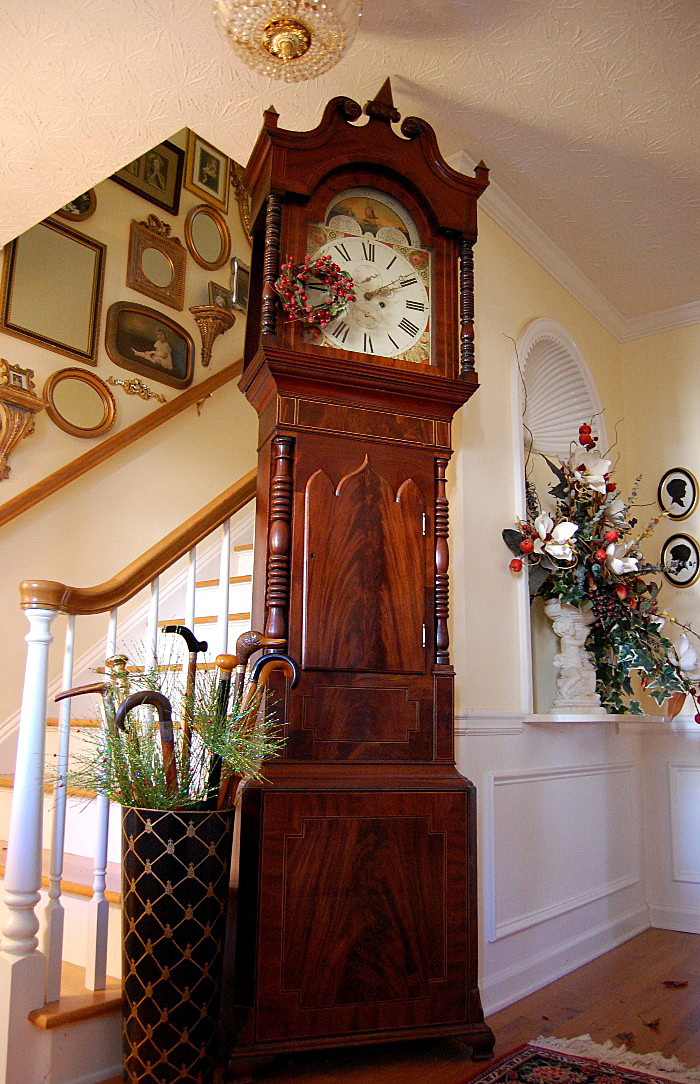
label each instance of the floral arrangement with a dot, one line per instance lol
(321, 276)
(586, 553)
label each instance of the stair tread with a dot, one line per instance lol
(77, 1003)
(77, 874)
(232, 579)
(209, 620)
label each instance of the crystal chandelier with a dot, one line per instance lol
(289, 39)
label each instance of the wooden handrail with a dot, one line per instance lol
(50, 595)
(61, 477)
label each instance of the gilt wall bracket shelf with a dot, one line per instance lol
(19, 403)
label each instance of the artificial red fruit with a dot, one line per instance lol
(612, 536)
(610, 487)
(527, 545)
(585, 428)
(621, 592)
(632, 604)
(697, 717)
(516, 565)
(600, 555)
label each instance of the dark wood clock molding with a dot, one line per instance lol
(357, 904)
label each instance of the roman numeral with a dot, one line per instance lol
(390, 262)
(417, 305)
(341, 330)
(408, 327)
(343, 252)
(368, 249)
(368, 343)
(392, 341)
(409, 281)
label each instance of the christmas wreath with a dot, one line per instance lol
(315, 291)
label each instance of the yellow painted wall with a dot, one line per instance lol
(512, 289)
(662, 403)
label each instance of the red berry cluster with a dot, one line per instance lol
(292, 288)
(589, 442)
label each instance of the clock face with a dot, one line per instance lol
(371, 236)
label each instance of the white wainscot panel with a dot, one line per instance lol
(558, 838)
(684, 783)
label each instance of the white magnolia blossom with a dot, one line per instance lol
(590, 468)
(618, 561)
(685, 657)
(555, 540)
(615, 511)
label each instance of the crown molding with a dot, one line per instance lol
(506, 213)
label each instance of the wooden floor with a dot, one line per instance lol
(619, 994)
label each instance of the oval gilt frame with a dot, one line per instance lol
(223, 230)
(98, 385)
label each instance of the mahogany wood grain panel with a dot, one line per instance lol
(313, 414)
(360, 714)
(286, 410)
(442, 434)
(364, 585)
(363, 907)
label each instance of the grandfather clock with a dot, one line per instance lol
(357, 914)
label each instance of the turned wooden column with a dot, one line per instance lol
(271, 266)
(279, 538)
(466, 307)
(442, 561)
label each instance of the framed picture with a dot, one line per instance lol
(156, 175)
(220, 296)
(52, 289)
(149, 343)
(13, 376)
(680, 558)
(240, 284)
(678, 493)
(157, 262)
(207, 172)
(79, 208)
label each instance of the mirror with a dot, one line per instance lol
(53, 289)
(207, 236)
(157, 268)
(79, 403)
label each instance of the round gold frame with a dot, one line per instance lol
(223, 230)
(98, 385)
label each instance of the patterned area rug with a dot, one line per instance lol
(581, 1061)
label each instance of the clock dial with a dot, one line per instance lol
(391, 313)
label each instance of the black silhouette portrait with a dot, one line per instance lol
(680, 555)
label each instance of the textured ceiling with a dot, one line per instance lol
(586, 111)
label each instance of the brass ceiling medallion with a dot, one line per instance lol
(286, 38)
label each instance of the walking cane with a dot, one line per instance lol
(101, 687)
(194, 646)
(246, 645)
(226, 665)
(259, 676)
(165, 725)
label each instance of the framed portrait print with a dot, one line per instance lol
(156, 175)
(680, 558)
(149, 343)
(80, 208)
(219, 296)
(678, 493)
(240, 284)
(52, 289)
(207, 172)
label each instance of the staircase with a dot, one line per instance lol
(76, 835)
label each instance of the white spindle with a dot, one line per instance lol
(152, 634)
(224, 574)
(98, 916)
(191, 590)
(53, 937)
(21, 964)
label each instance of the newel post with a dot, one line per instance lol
(22, 966)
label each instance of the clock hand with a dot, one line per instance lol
(387, 288)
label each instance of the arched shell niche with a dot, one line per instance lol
(558, 393)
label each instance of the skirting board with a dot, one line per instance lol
(682, 919)
(509, 985)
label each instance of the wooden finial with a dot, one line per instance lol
(382, 107)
